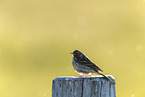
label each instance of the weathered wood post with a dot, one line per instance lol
(83, 87)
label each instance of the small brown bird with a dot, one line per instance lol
(82, 65)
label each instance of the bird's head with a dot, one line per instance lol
(77, 53)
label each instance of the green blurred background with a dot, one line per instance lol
(36, 38)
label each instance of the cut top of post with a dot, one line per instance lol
(97, 78)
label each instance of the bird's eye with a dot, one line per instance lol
(79, 53)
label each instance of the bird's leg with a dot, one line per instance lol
(84, 75)
(76, 76)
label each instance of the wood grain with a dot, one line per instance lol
(94, 86)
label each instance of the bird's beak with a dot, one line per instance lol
(71, 53)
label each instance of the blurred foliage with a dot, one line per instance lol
(36, 38)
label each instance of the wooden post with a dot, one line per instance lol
(83, 87)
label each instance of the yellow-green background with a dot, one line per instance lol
(36, 37)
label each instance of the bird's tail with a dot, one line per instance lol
(105, 76)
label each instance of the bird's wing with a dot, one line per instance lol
(88, 63)
(94, 67)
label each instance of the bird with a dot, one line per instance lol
(84, 66)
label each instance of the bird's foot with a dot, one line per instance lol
(81, 76)
(84, 76)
